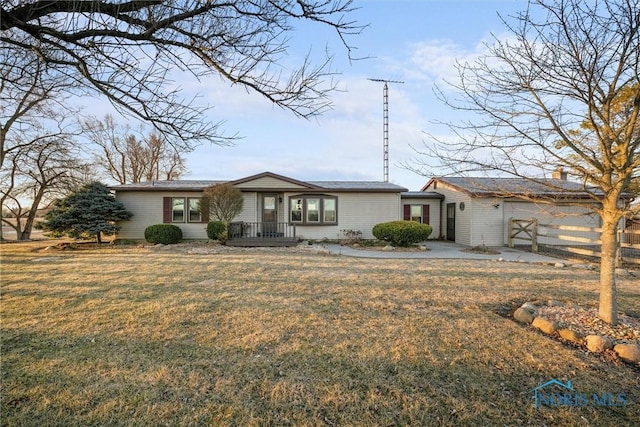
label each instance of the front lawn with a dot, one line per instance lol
(152, 336)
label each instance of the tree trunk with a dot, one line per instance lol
(608, 309)
(98, 237)
(31, 217)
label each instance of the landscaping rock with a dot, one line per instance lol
(598, 344)
(529, 306)
(524, 315)
(560, 265)
(388, 248)
(571, 336)
(628, 352)
(545, 325)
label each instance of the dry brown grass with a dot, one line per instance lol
(126, 335)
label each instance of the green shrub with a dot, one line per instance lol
(402, 233)
(217, 230)
(166, 234)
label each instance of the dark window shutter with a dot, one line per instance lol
(204, 213)
(425, 214)
(407, 212)
(166, 209)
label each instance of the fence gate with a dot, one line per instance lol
(524, 229)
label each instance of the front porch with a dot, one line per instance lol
(251, 234)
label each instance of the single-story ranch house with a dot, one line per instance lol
(275, 206)
(469, 211)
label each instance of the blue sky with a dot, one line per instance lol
(415, 41)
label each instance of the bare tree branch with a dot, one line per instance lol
(127, 51)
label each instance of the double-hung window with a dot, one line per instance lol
(182, 209)
(418, 213)
(194, 210)
(313, 210)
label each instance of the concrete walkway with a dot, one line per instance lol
(443, 250)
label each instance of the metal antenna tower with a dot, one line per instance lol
(385, 125)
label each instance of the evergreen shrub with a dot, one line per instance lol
(216, 230)
(402, 233)
(166, 234)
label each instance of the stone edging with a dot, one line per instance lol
(628, 352)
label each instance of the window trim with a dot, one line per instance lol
(292, 201)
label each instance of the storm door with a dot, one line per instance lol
(270, 214)
(451, 222)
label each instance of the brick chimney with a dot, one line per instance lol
(559, 174)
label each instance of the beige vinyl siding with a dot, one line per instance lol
(147, 210)
(249, 208)
(356, 211)
(268, 182)
(463, 218)
(487, 222)
(560, 214)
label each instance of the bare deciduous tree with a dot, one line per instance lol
(29, 93)
(35, 137)
(35, 176)
(561, 91)
(222, 202)
(127, 51)
(129, 156)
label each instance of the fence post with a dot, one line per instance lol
(620, 233)
(509, 231)
(534, 235)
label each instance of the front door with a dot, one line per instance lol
(269, 213)
(451, 222)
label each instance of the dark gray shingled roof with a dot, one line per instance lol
(199, 185)
(357, 185)
(181, 185)
(482, 186)
(422, 195)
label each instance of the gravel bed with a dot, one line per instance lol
(586, 322)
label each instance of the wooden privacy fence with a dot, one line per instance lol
(573, 239)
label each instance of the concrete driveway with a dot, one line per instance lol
(443, 250)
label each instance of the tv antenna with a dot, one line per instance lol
(385, 125)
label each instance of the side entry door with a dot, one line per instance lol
(451, 222)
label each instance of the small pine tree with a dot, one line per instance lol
(88, 212)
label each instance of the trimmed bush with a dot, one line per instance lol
(216, 230)
(166, 234)
(402, 233)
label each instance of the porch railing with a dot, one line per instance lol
(261, 230)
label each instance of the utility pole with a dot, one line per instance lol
(385, 125)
